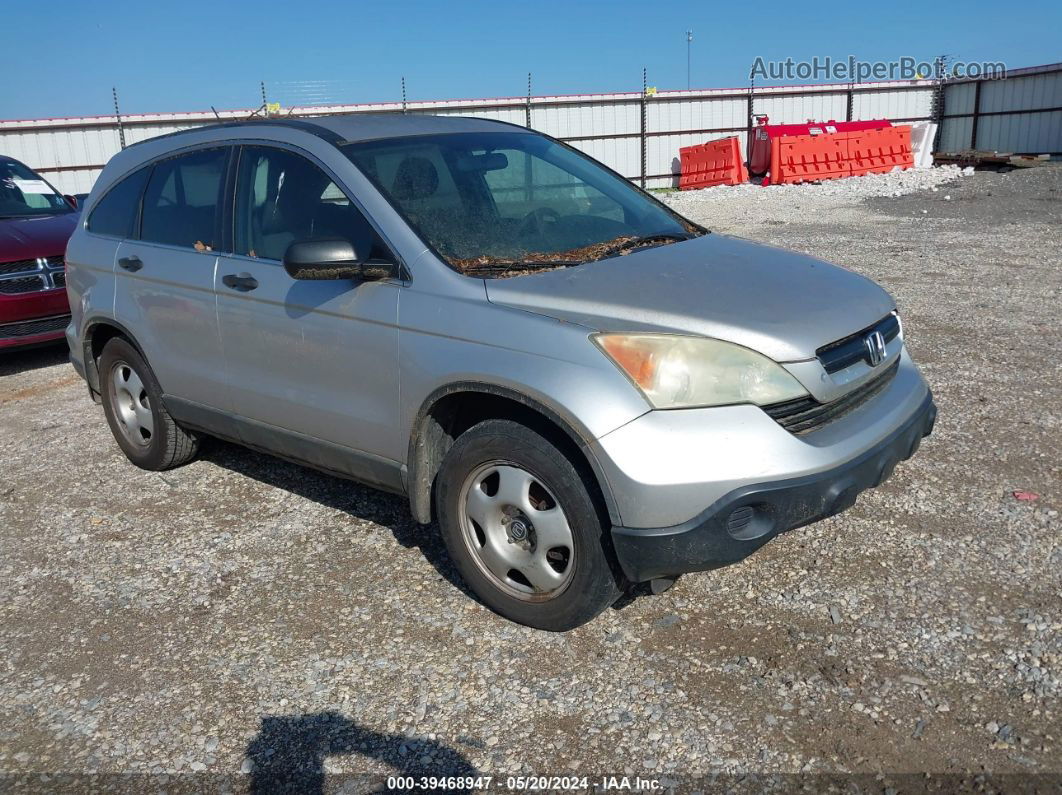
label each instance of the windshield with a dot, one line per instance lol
(23, 192)
(504, 203)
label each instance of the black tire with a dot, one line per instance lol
(594, 582)
(167, 445)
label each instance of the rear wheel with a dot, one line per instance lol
(132, 402)
(522, 529)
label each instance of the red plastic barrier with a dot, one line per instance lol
(714, 163)
(764, 133)
(880, 151)
(809, 158)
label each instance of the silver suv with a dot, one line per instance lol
(583, 388)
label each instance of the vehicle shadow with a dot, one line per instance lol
(289, 751)
(358, 501)
(21, 361)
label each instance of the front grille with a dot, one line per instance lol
(846, 352)
(22, 284)
(807, 414)
(32, 275)
(28, 328)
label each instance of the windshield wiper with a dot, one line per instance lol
(644, 240)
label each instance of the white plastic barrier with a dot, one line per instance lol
(922, 135)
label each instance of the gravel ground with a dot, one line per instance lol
(244, 618)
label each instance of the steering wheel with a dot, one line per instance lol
(537, 219)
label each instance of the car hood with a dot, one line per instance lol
(780, 303)
(35, 236)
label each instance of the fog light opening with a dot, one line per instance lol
(750, 521)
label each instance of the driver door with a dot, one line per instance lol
(312, 365)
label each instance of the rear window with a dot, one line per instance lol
(115, 213)
(182, 199)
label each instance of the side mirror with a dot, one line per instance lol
(332, 259)
(71, 200)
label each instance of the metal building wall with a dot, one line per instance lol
(1021, 113)
(610, 127)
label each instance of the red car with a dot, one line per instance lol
(35, 223)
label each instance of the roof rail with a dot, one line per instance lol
(299, 124)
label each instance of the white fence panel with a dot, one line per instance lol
(623, 155)
(899, 104)
(70, 152)
(696, 114)
(797, 109)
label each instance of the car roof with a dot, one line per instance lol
(337, 130)
(363, 126)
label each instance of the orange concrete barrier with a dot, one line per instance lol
(714, 163)
(809, 158)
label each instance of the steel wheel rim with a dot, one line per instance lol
(132, 406)
(516, 532)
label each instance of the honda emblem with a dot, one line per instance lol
(875, 345)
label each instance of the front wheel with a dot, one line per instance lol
(522, 528)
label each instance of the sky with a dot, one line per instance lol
(163, 56)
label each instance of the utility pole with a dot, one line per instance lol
(689, 41)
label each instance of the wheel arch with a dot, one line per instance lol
(452, 409)
(98, 332)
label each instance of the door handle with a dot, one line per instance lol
(242, 281)
(131, 264)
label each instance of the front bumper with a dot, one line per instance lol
(698, 489)
(742, 521)
(30, 333)
(30, 319)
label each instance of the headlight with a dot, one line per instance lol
(680, 372)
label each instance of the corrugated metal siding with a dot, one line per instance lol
(608, 124)
(1006, 121)
(623, 155)
(955, 135)
(569, 121)
(1029, 132)
(959, 98)
(80, 181)
(799, 108)
(693, 114)
(1021, 93)
(892, 104)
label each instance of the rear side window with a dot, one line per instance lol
(183, 200)
(115, 213)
